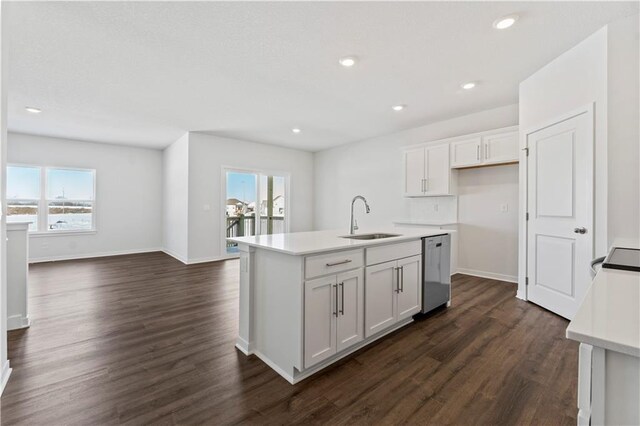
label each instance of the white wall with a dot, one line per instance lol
(175, 198)
(374, 169)
(207, 155)
(5, 371)
(574, 79)
(128, 195)
(488, 237)
(623, 139)
(602, 69)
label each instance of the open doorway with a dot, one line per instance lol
(255, 203)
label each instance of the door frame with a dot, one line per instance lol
(523, 226)
(223, 201)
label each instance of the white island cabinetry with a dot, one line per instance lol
(309, 299)
(393, 290)
(333, 310)
(607, 325)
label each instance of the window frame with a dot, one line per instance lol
(43, 203)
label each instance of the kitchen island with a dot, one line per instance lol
(308, 299)
(607, 325)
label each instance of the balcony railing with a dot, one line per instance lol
(245, 226)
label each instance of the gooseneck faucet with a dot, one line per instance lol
(354, 224)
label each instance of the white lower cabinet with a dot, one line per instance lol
(380, 299)
(392, 293)
(408, 298)
(333, 315)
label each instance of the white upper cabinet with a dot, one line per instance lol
(414, 165)
(489, 149)
(427, 171)
(500, 148)
(437, 170)
(467, 152)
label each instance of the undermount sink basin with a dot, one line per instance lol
(370, 236)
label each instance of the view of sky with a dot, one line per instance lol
(24, 182)
(70, 184)
(243, 186)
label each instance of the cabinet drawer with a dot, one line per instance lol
(331, 263)
(389, 252)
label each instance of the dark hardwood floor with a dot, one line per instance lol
(145, 339)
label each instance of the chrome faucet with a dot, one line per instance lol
(354, 223)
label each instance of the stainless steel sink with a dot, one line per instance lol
(370, 236)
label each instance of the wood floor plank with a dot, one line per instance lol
(144, 339)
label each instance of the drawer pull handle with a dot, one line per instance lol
(342, 262)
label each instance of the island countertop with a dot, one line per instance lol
(609, 316)
(302, 243)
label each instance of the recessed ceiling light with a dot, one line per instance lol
(468, 86)
(398, 107)
(505, 22)
(296, 130)
(347, 61)
(33, 110)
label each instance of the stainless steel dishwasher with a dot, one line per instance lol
(436, 272)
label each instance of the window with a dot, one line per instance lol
(23, 195)
(66, 204)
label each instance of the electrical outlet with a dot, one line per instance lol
(504, 208)
(435, 207)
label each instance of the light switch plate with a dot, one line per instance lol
(504, 208)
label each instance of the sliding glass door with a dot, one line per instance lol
(255, 204)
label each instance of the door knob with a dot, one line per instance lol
(581, 230)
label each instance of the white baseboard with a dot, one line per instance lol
(5, 372)
(187, 261)
(16, 322)
(175, 255)
(92, 255)
(243, 346)
(210, 259)
(490, 275)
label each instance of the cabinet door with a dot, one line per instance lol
(350, 322)
(466, 152)
(438, 170)
(500, 148)
(320, 310)
(409, 296)
(380, 305)
(414, 172)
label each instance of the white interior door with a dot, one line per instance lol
(560, 206)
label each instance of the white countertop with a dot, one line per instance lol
(302, 243)
(424, 222)
(609, 316)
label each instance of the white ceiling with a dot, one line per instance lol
(144, 73)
